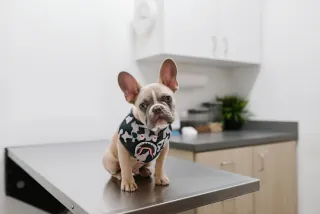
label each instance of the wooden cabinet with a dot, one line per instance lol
(275, 166)
(237, 160)
(186, 155)
(209, 31)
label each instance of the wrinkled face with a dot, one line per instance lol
(155, 105)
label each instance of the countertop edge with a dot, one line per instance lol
(206, 147)
(60, 196)
(203, 199)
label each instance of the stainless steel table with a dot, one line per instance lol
(71, 175)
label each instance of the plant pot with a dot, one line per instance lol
(232, 125)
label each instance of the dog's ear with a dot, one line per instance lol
(129, 86)
(168, 74)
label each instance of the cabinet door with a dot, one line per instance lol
(190, 27)
(275, 166)
(237, 160)
(239, 30)
(182, 154)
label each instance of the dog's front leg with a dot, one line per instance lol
(127, 181)
(160, 177)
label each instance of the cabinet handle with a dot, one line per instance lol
(223, 163)
(214, 41)
(261, 155)
(226, 45)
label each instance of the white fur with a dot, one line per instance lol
(154, 97)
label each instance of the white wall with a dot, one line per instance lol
(218, 83)
(287, 88)
(58, 68)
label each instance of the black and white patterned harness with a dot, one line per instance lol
(142, 143)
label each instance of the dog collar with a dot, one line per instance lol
(142, 143)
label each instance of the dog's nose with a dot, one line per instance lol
(157, 109)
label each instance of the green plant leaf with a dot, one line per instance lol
(227, 109)
(228, 115)
(241, 118)
(234, 108)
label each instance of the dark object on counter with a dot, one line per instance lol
(202, 119)
(215, 110)
(199, 116)
(234, 111)
(232, 125)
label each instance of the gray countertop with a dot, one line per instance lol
(73, 174)
(229, 139)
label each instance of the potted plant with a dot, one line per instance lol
(234, 112)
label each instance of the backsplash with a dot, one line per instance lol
(219, 83)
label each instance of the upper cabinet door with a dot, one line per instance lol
(239, 30)
(201, 31)
(190, 28)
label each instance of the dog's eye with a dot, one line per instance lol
(166, 99)
(143, 106)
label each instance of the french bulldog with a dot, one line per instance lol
(143, 136)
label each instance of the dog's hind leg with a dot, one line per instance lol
(112, 165)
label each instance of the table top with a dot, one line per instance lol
(204, 142)
(73, 173)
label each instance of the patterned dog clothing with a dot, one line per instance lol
(142, 143)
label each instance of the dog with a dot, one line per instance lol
(143, 136)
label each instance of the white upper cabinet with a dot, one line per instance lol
(239, 30)
(198, 31)
(190, 27)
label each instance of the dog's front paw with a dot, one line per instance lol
(162, 180)
(129, 186)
